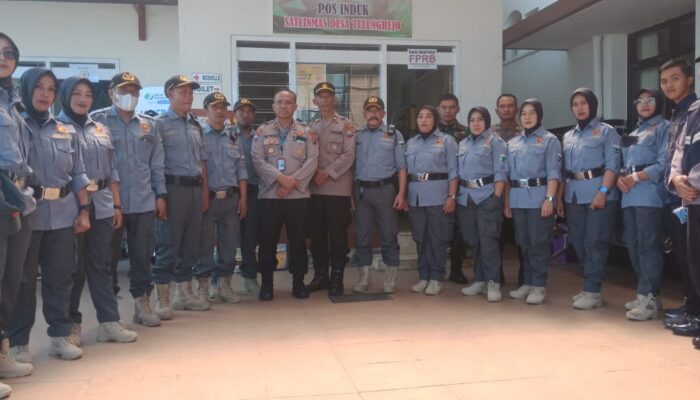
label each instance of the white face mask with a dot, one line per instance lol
(125, 102)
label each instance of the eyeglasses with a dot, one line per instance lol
(648, 100)
(9, 54)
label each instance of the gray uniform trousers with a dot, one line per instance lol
(374, 206)
(481, 228)
(221, 228)
(250, 235)
(534, 236)
(642, 234)
(15, 255)
(93, 262)
(55, 250)
(432, 231)
(178, 238)
(140, 239)
(590, 232)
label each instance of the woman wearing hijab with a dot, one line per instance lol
(15, 206)
(642, 187)
(432, 194)
(94, 246)
(482, 169)
(591, 164)
(59, 183)
(534, 165)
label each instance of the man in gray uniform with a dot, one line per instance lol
(139, 157)
(330, 192)
(228, 184)
(178, 234)
(250, 223)
(285, 155)
(380, 190)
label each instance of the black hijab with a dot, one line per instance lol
(658, 102)
(433, 111)
(484, 113)
(6, 82)
(65, 93)
(592, 101)
(29, 80)
(538, 109)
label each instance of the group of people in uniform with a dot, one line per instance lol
(74, 184)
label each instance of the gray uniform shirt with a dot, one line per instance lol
(336, 155)
(247, 145)
(226, 164)
(182, 144)
(139, 157)
(378, 155)
(292, 152)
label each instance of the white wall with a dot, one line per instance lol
(206, 27)
(82, 30)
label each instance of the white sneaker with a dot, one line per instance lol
(362, 280)
(577, 296)
(537, 295)
(646, 309)
(390, 279)
(250, 286)
(420, 286)
(493, 292)
(163, 310)
(474, 289)
(202, 293)
(520, 293)
(115, 332)
(588, 301)
(185, 300)
(21, 354)
(5, 390)
(143, 314)
(61, 347)
(630, 305)
(76, 335)
(434, 288)
(9, 367)
(224, 291)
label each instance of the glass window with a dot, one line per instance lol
(648, 46)
(258, 81)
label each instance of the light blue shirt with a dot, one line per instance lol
(537, 155)
(378, 155)
(435, 154)
(182, 143)
(650, 149)
(480, 156)
(597, 145)
(13, 146)
(56, 159)
(226, 164)
(247, 144)
(138, 150)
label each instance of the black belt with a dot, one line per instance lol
(476, 183)
(634, 168)
(428, 176)
(49, 193)
(585, 175)
(97, 185)
(528, 182)
(222, 194)
(375, 184)
(183, 180)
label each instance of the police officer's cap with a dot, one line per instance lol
(244, 102)
(177, 81)
(324, 87)
(214, 98)
(124, 79)
(697, 60)
(373, 101)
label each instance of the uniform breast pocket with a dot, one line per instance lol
(411, 155)
(10, 132)
(299, 149)
(144, 147)
(63, 154)
(482, 151)
(271, 150)
(233, 154)
(592, 153)
(438, 158)
(335, 144)
(645, 151)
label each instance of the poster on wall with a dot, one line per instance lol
(153, 99)
(391, 18)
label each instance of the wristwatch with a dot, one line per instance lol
(452, 196)
(635, 177)
(549, 198)
(85, 207)
(603, 189)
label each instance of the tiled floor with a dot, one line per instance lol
(411, 347)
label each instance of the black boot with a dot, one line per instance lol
(456, 274)
(266, 286)
(320, 281)
(336, 287)
(299, 290)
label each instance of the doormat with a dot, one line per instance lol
(358, 297)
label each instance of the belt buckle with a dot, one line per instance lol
(221, 194)
(523, 182)
(48, 193)
(472, 184)
(587, 174)
(424, 176)
(92, 187)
